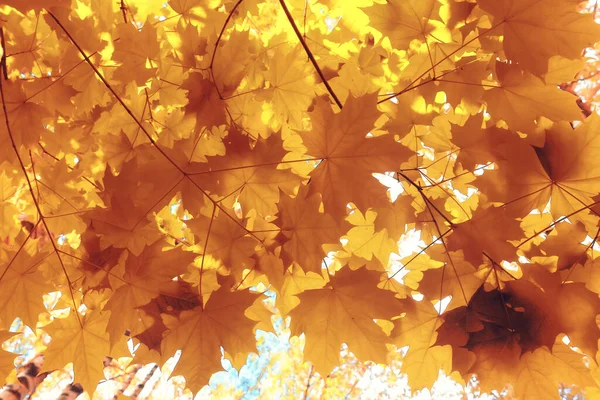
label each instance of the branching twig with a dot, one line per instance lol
(143, 128)
(414, 83)
(426, 199)
(35, 200)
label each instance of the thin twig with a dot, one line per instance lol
(308, 381)
(212, 59)
(210, 223)
(3, 60)
(309, 53)
(494, 263)
(123, 11)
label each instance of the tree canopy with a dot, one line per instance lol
(397, 174)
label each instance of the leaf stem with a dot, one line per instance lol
(210, 223)
(494, 264)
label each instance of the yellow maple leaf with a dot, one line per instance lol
(138, 280)
(541, 371)
(221, 322)
(418, 330)
(522, 97)
(304, 230)
(535, 30)
(343, 312)
(348, 158)
(362, 240)
(82, 340)
(22, 283)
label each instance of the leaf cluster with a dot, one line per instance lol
(398, 173)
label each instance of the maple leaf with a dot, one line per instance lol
(305, 230)
(291, 84)
(221, 322)
(22, 283)
(136, 47)
(479, 146)
(248, 175)
(479, 243)
(362, 241)
(82, 340)
(566, 303)
(395, 216)
(410, 113)
(562, 171)
(418, 331)
(348, 157)
(418, 20)
(565, 31)
(456, 84)
(124, 223)
(7, 208)
(522, 97)
(343, 312)
(7, 358)
(230, 63)
(226, 239)
(586, 274)
(457, 278)
(542, 370)
(203, 101)
(35, 5)
(296, 281)
(140, 279)
(495, 362)
(565, 244)
(27, 118)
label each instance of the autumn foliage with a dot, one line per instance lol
(397, 173)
